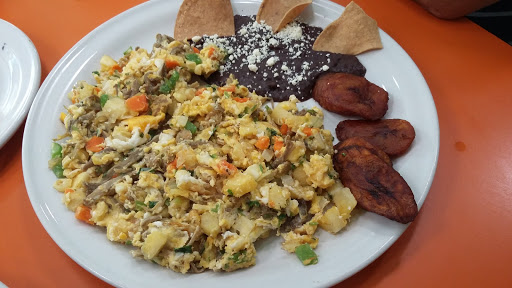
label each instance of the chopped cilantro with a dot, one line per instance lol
(343, 154)
(230, 192)
(253, 203)
(194, 58)
(226, 95)
(213, 156)
(96, 72)
(272, 131)
(216, 209)
(313, 223)
(170, 83)
(184, 249)
(281, 217)
(167, 202)
(103, 99)
(261, 168)
(269, 110)
(191, 127)
(152, 204)
(145, 169)
(239, 257)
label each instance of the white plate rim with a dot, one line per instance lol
(18, 45)
(44, 213)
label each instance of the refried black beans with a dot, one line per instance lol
(276, 65)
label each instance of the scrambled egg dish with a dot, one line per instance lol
(191, 175)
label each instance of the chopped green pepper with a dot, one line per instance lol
(56, 151)
(103, 100)
(191, 127)
(306, 254)
(194, 58)
(128, 51)
(58, 171)
(170, 83)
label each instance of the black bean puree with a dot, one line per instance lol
(274, 81)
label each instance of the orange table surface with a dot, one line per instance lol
(462, 236)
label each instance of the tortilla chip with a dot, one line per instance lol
(278, 13)
(352, 33)
(204, 17)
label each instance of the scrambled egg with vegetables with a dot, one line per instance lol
(191, 175)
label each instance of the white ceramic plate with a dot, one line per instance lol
(20, 75)
(340, 256)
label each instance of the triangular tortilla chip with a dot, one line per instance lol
(204, 17)
(278, 13)
(352, 33)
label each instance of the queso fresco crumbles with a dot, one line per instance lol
(191, 175)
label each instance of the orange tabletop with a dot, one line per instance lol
(462, 235)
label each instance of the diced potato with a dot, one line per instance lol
(342, 198)
(318, 204)
(278, 197)
(318, 169)
(186, 158)
(332, 221)
(153, 244)
(210, 223)
(300, 175)
(239, 184)
(243, 225)
(299, 149)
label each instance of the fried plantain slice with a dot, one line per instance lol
(351, 95)
(356, 141)
(376, 186)
(393, 136)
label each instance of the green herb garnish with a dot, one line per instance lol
(272, 132)
(230, 192)
(216, 209)
(152, 204)
(184, 249)
(96, 72)
(253, 203)
(213, 156)
(128, 242)
(313, 223)
(312, 112)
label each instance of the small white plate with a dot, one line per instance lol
(20, 75)
(340, 256)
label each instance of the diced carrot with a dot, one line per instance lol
(284, 129)
(97, 90)
(95, 144)
(173, 165)
(308, 131)
(226, 168)
(262, 143)
(230, 88)
(200, 91)
(138, 103)
(210, 52)
(69, 190)
(115, 68)
(241, 100)
(278, 143)
(171, 63)
(83, 213)
(73, 100)
(196, 50)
